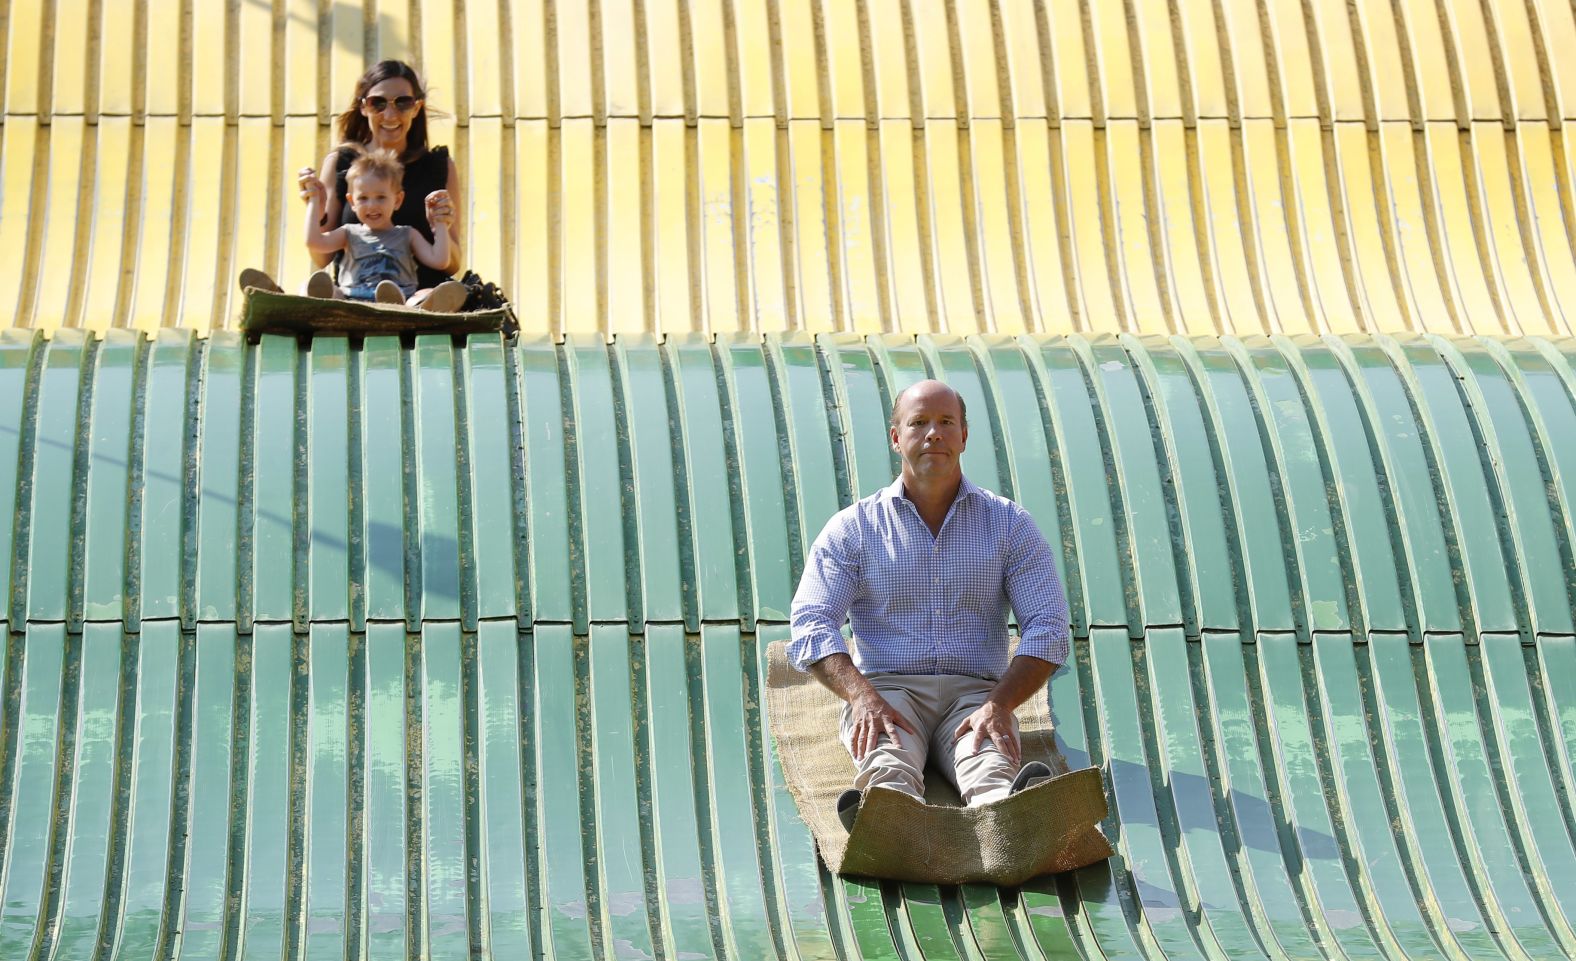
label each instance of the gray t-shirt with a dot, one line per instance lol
(377, 255)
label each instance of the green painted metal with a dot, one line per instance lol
(455, 649)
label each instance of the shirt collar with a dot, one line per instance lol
(894, 490)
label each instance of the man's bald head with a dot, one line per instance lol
(928, 388)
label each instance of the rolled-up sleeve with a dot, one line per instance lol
(826, 591)
(1034, 589)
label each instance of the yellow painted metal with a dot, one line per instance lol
(18, 146)
(905, 263)
(664, 52)
(752, 49)
(577, 227)
(812, 263)
(889, 58)
(997, 244)
(1041, 243)
(1025, 59)
(101, 290)
(861, 306)
(799, 92)
(1424, 37)
(482, 67)
(59, 235)
(708, 61)
(768, 286)
(487, 228)
(672, 303)
(1086, 212)
(626, 265)
(1380, 37)
(23, 48)
(669, 166)
(531, 266)
(933, 67)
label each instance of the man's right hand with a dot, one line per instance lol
(872, 717)
(870, 713)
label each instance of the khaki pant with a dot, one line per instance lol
(935, 704)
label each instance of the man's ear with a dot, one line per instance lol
(399, 200)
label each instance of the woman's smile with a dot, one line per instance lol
(391, 125)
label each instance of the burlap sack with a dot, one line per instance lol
(1049, 828)
(265, 312)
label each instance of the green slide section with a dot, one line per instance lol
(371, 650)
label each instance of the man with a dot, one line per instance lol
(924, 570)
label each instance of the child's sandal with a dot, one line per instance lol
(446, 298)
(320, 284)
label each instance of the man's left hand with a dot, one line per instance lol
(994, 721)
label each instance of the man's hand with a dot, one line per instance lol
(872, 716)
(994, 721)
(870, 713)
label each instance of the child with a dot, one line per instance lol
(379, 257)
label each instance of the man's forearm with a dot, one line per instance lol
(838, 673)
(1024, 676)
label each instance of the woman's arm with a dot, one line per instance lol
(447, 203)
(331, 206)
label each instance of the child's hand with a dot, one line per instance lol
(311, 186)
(440, 209)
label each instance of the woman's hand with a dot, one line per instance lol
(440, 209)
(312, 187)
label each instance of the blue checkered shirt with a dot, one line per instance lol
(923, 604)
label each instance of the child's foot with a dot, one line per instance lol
(321, 285)
(447, 297)
(388, 292)
(259, 280)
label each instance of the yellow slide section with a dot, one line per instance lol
(858, 165)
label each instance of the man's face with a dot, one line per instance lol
(929, 433)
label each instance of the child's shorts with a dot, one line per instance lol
(369, 292)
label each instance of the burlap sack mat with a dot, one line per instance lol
(1048, 828)
(265, 312)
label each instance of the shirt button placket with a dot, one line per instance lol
(935, 612)
(935, 582)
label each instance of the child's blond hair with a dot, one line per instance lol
(379, 163)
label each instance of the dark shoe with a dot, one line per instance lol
(848, 807)
(320, 284)
(388, 292)
(1028, 776)
(446, 298)
(258, 280)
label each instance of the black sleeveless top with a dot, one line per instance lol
(423, 175)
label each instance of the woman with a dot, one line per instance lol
(389, 111)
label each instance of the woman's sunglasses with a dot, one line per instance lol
(380, 104)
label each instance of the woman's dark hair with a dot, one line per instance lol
(353, 126)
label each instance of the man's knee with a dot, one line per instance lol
(897, 765)
(984, 775)
(897, 775)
